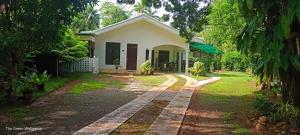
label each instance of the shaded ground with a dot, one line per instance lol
(64, 113)
(142, 120)
(213, 108)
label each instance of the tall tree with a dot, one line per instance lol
(225, 22)
(275, 36)
(30, 26)
(71, 47)
(89, 19)
(112, 13)
(143, 9)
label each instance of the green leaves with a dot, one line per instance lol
(71, 48)
(112, 13)
(249, 4)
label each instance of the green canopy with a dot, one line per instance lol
(206, 48)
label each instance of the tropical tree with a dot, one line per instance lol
(32, 26)
(71, 48)
(274, 36)
(89, 19)
(112, 13)
(225, 22)
(143, 9)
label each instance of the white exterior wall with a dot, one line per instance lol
(142, 33)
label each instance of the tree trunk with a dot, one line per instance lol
(291, 87)
(291, 78)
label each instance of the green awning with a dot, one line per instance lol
(206, 48)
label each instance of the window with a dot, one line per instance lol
(112, 53)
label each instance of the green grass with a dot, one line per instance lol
(95, 82)
(53, 84)
(232, 94)
(151, 80)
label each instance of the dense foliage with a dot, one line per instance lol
(89, 19)
(71, 47)
(276, 111)
(273, 35)
(112, 13)
(197, 68)
(146, 68)
(30, 27)
(225, 22)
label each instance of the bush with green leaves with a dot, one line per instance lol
(197, 68)
(146, 68)
(263, 104)
(39, 79)
(234, 61)
(276, 110)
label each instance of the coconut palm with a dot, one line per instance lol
(86, 20)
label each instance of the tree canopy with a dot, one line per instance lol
(274, 36)
(89, 19)
(32, 26)
(112, 13)
(71, 47)
(225, 22)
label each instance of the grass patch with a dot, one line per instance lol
(234, 90)
(142, 120)
(151, 80)
(53, 84)
(95, 82)
(178, 85)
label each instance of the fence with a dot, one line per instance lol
(84, 65)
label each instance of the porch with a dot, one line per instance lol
(168, 58)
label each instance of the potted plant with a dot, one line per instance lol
(39, 80)
(116, 63)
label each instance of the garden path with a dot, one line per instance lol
(170, 119)
(111, 121)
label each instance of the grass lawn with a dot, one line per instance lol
(232, 94)
(151, 80)
(88, 81)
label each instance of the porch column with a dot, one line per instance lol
(186, 61)
(179, 62)
(150, 55)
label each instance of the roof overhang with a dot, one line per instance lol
(126, 22)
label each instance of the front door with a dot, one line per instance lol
(131, 56)
(163, 60)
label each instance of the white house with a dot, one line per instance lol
(135, 40)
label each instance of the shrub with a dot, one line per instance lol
(197, 68)
(146, 68)
(287, 111)
(276, 111)
(39, 79)
(263, 104)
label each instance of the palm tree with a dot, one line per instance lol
(86, 20)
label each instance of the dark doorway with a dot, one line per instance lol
(163, 60)
(131, 56)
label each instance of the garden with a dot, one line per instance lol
(258, 62)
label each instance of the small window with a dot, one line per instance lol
(112, 54)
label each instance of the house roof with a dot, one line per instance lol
(142, 17)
